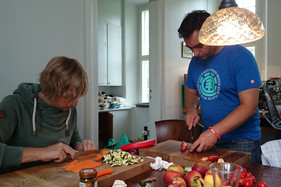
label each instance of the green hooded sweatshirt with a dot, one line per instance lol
(17, 127)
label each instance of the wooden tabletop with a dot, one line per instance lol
(270, 175)
(171, 151)
(52, 174)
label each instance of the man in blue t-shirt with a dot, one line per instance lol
(226, 80)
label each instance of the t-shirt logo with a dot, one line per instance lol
(209, 84)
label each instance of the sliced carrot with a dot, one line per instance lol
(105, 152)
(87, 156)
(99, 157)
(77, 166)
(70, 164)
(94, 165)
(104, 172)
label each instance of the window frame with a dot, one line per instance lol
(142, 58)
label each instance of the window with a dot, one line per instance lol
(144, 56)
(145, 32)
(250, 5)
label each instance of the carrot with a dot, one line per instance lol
(105, 152)
(91, 155)
(69, 164)
(104, 172)
(77, 166)
(99, 157)
(94, 165)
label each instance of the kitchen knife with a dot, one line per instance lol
(85, 153)
(191, 135)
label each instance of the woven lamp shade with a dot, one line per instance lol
(231, 26)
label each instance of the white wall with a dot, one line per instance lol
(34, 31)
(175, 66)
(166, 55)
(274, 40)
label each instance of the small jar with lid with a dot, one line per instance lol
(88, 177)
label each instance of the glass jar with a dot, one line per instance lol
(88, 178)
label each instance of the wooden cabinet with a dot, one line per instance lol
(110, 56)
(105, 128)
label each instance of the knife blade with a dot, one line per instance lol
(85, 153)
(191, 135)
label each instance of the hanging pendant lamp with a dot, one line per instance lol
(231, 25)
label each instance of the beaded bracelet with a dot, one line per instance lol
(215, 132)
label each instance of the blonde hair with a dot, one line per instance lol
(64, 77)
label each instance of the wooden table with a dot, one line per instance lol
(52, 174)
(169, 150)
(270, 175)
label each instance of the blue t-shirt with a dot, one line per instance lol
(218, 80)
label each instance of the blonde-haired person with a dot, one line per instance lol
(38, 123)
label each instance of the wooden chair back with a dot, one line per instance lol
(175, 129)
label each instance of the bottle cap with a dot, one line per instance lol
(88, 173)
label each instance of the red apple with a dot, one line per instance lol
(169, 175)
(177, 168)
(184, 145)
(177, 182)
(201, 168)
(189, 178)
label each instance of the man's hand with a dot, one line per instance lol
(191, 103)
(205, 141)
(86, 145)
(57, 152)
(191, 118)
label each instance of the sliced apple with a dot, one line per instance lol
(184, 145)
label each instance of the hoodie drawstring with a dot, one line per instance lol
(33, 115)
(33, 118)
(66, 123)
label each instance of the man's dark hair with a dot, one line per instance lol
(192, 22)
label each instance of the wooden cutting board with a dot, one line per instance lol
(53, 175)
(171, 151)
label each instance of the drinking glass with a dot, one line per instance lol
(225, 174)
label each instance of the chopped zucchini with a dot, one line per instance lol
(118, 157)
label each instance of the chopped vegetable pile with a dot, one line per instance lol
(76, 166)
(118, 157)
